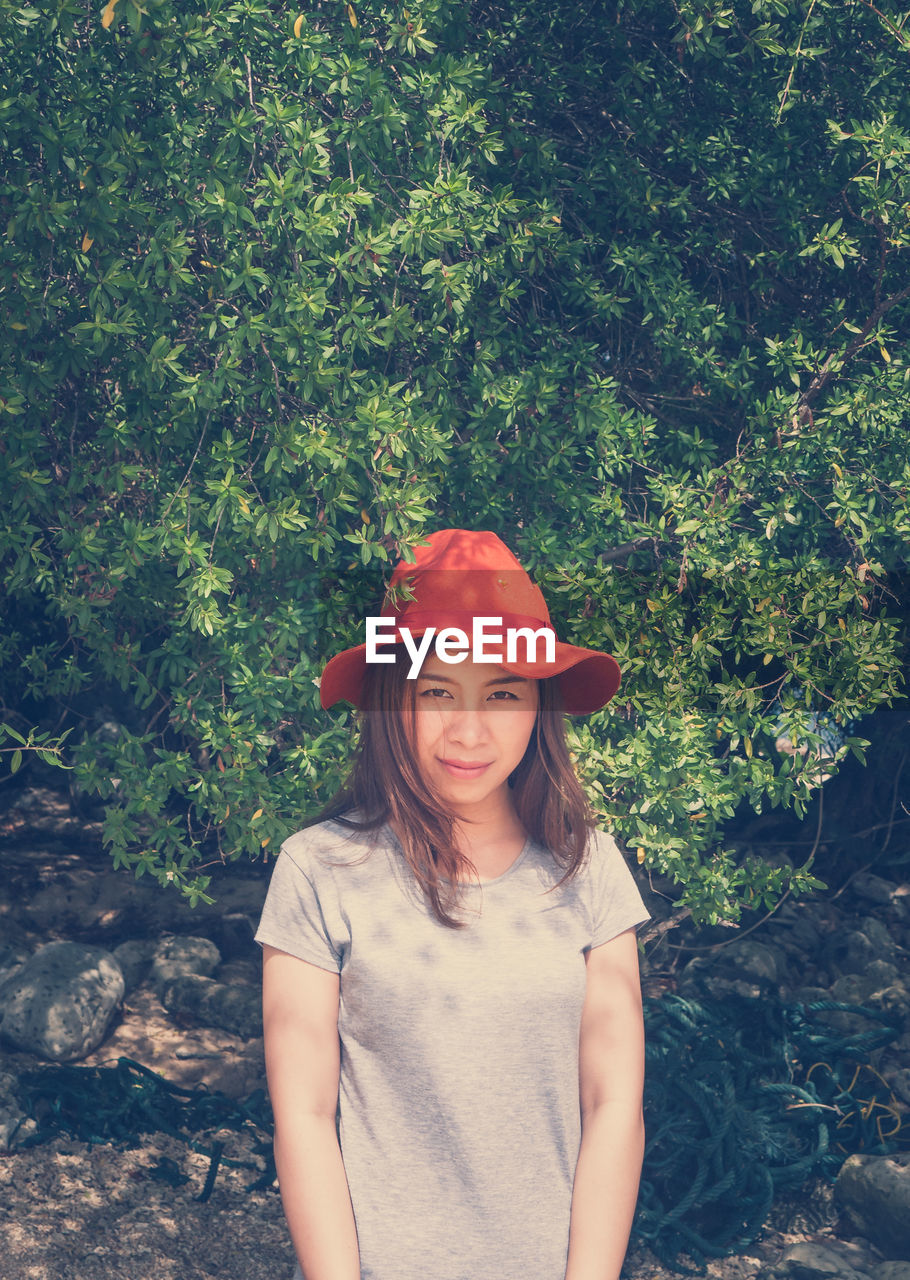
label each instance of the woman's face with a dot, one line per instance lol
(473, 724)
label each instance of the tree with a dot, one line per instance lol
(283, 290)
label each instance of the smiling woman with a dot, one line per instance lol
(452, 1009)
(471, 732)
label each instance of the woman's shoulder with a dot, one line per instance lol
(603, 855)
(333, 842)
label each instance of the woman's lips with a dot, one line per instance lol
(464, 769)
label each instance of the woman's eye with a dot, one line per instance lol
(432, 693)
(503, 695)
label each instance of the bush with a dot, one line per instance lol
(284, 290)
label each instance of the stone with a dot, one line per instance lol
(873, 888)
(854, 952)
(858, 988)
(808, 1261)
(12, 1116)
(61, 1002)
(878, 935)
(899, 1081)
(178, 956)
(233, 934)
(135, 959)
(11, 961)
(237, 1009)
(760, 962)
(239, 972)
(873, 1192)
(891, 1271)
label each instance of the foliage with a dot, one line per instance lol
(283, 290)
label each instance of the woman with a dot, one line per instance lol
(452, 1007)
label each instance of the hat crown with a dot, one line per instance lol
(470, 571)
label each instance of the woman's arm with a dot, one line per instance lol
(611, 1081)
(302, 1058)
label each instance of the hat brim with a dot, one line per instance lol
(587, 679)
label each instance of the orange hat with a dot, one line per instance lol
(463, 574)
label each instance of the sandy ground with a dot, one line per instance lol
(70, 1211)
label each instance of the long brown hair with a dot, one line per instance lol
(385, 784)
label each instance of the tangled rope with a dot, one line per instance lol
(742, 1100)
(118, 1104)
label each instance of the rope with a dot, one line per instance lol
(742, 1100)
(117, 1104)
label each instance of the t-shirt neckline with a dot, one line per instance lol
(513, 866)
(476, 884)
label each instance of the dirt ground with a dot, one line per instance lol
(70, 1211)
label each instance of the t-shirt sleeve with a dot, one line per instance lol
(616, 904)
(294, 918)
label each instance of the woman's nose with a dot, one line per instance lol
(468, 726)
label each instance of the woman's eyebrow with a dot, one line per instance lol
(495, 680)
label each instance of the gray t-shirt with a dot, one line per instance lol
(458, 1110)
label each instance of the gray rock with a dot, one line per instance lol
(760, 962)
(237, 1009)
(878, 935)
(233, 933)
(176, 957)
(858, 988)
(899, 1081)
(135, 959)
(798, 932)
(11, 961)
(874, 1194)
(873, 888)
(807, 1261)
(891, 1271)
(61, 1002)
(240, 972)
(854, 952)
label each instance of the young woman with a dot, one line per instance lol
(452, 1008)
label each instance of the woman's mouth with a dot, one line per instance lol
(465, 768)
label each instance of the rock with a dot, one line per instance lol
(854, 952)
(135, 959)
(807, 1261)
(891, 1271)
(878, 935)
(233, 934)
(874, 1194)
(94, 906)
(11, 961)
(760, 961)
(747, 969)
(899, 1081)
(239, 972)
(13, 1123)
(799, 932)
(873, 888)
(176, 957)
(61, 1002)
(215, 1004)
(858, 988)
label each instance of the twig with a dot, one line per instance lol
(799, 47)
